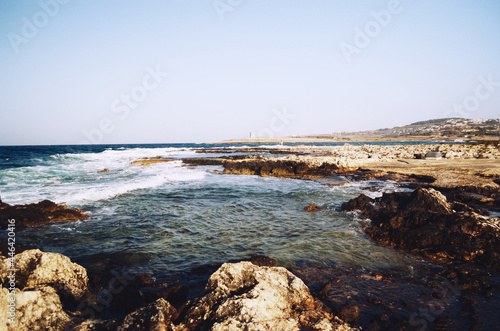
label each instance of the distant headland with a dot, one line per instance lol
(443, 129)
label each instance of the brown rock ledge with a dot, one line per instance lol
(39, 213)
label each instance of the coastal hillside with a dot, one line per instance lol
(435, 129)
(442, 129)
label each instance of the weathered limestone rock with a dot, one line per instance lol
(245, 296)
(36, 269)
(155, 316)
(39, 309)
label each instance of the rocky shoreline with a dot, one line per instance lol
(446, 221)
(39, 213)
(53, 293)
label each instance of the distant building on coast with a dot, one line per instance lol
(252, 134)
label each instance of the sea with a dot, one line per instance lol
(167, 218)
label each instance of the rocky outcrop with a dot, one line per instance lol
(245, 296)
(51, 290)
(35, 268)
(426, 223)
(37, 214)
(37, 309)
(289, 166)
(44, 283)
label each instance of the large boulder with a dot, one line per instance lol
(39, 309)
(43, 283)
(35, 269)
(237, 296)
(246, 296)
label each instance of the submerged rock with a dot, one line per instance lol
(37, 214)
(425, 222)
(312, 207)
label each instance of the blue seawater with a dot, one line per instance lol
(168, 218)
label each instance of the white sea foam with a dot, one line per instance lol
(74, 178)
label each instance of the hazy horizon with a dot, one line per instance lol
(124, 72)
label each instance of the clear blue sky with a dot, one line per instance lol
(83, 71)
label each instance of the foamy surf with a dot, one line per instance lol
(77, 178)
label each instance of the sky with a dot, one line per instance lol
(173, 71)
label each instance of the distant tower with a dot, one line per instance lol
(252, 134)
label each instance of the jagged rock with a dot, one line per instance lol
(155, 316)
(262, 260)
(245, 296)
(362, 202)
(425, 222)
(39, 309)
(238, 296)
(96, 325)
(37, 213)
(37, 269)
(312, 207)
